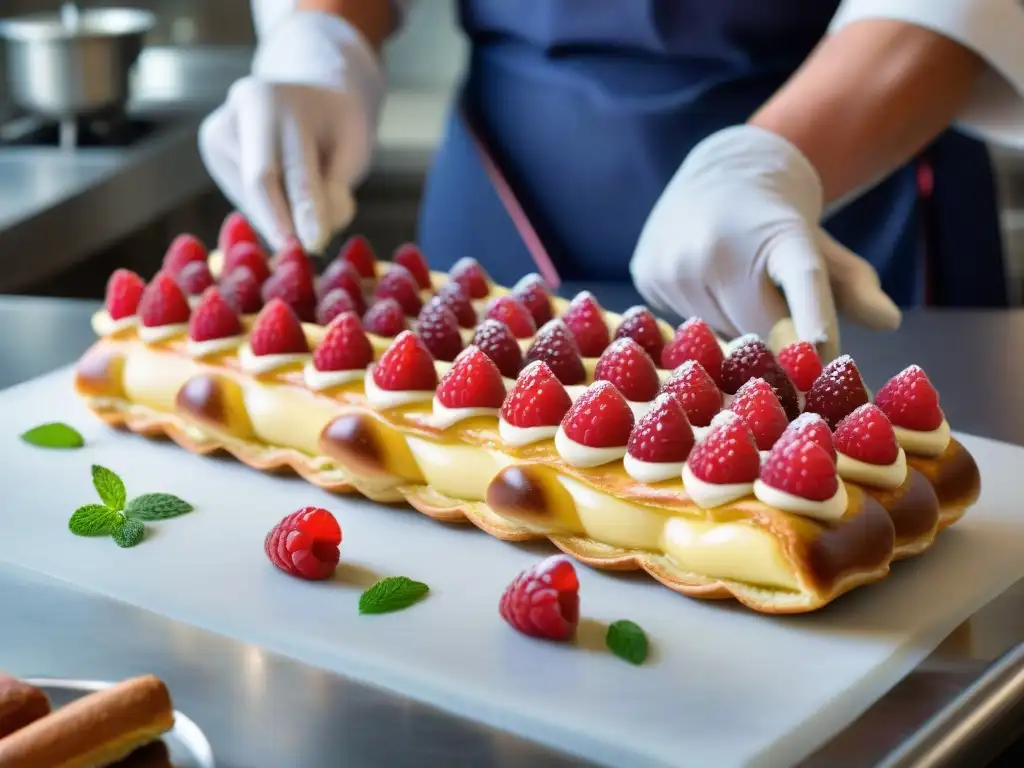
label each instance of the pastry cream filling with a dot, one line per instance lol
(213, 346)
(443, 417)
(919, 443)
(829, 510)
(583, 456)
(650, 471)
(318, 380)
(459, 471)
(253, 363)
(710, 495)
(520, 436)
(888, 476)
(104, 325)
(157, 333)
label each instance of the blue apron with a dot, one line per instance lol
(586, 108)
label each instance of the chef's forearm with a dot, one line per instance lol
(869, 98)
(375, 19)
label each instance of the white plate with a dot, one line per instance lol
(185, 742)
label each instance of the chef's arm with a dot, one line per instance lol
(892, 75)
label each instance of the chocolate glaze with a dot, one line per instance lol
(98, 373)
(202, 397)
(350, 440)
(862, 541)
(913, 507)
(515, 492)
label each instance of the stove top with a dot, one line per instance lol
(79, 134)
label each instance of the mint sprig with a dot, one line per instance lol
(119, 518)
(394, 593)
(54, 435)
(627, 641)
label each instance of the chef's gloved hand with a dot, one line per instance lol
(735, 239)
(295, 137)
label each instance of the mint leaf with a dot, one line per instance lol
(93, 520)
(109, 486)
(127, 533)
(54, 435)
(156, 506)
(392, 594)
(627, 641)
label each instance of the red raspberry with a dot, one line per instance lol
(471, 276)
(755, 402)
(277, 331)
(534, 294)
(344, 347)
(248, 255)
(496, 341)
(801, 468)
(183, 250)
(691, 385)
(694, 340)
(163, 303)
(910, 401)
(585, 319)
(333, 304)
(294, 253)
(867, 435)
(513, 313)
(838, 392)
(411, 257)
(554, 344)
(801, 363)
(241, 290)
(544, 600)
(751, 359)
(194, 278)
(473, 381)
(290, 283)
(727, 454)
(640, 325)
(385, 318)
(600, 418)
(663, 434)
(810, 426)
(235, 229)
(406, 365)
(628, 367)
(399, 285)
(124, 291)
(453, 297)
(305, 544)
(213, 318)
(358, 252)
(340, 274)
(439, 330)
(537, 399)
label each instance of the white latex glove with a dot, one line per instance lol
(735, 239)
(295, 137)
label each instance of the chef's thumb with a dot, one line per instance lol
(857, 288)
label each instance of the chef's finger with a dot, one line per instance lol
(218, 143)
(304, 185)
(857, 288)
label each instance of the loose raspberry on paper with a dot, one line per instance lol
(305, 544)
(543, 601)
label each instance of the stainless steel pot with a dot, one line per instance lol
(62, 70)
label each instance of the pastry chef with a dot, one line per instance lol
(741, 160)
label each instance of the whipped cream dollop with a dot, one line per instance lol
(583, 456)
(253, 363)
(650, 471)
(709, 495)
(520, 436)
(382, 399)
(199, 349)
(443, 417)
(157, 333)
(318, 380)
(887, 476)
(104, 325)
(828, 510)
(919, 443)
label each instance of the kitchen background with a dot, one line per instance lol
(68, 217)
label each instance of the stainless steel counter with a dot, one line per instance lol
(260, 709)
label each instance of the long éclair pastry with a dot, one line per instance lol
(93, 731)
(395, 415)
